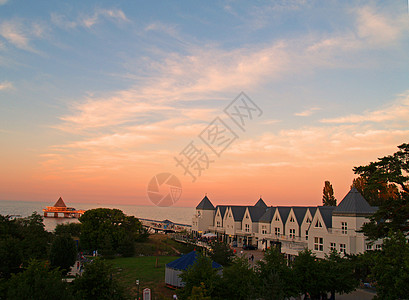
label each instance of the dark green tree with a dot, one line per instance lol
(63, 252)
(73, 229)
(328, 198)
(386, 185)
(339, 273)
(38, 281)
(98, 282)
(309, 274)
(34, 238)
(201, 274)
(221, 253)
(239, 280)
(109, 231)
(275, 278)
(391, 269)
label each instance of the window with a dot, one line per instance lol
(318, 244)
(369, 246)
(230, 215)
(318, 224)
(306, 235)
(343, 248)
(263, 229)
(292, 219)
(344, 227)
(218, 224)
(333, 246)
(308, 221)
(277, 231)
(378, 247)
(198, 213)
(277, 218)
(247, 216)
(292, 233)
(247, 228)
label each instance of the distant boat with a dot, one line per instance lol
(60, 210)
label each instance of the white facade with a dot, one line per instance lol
(319, 229)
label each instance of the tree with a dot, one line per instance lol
(98, 282)
(328, 198)
(309, 274)
(38, 282)
(391, 269)
(63, 252)
(200, 274)
(339, 272)
(239, 280)
(73, 229)
(221, 253)
(385, 183)
(274, 276)
(109, 231)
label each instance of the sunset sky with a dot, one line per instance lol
(97, 97)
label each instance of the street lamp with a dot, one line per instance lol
(137, 284)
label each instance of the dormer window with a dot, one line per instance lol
(318, 224)
(277, 219)
(292, 219)
(308, 221)
(247, 216)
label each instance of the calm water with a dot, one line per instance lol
(175, 214)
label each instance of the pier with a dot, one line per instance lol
(60, 210)
(164, 226)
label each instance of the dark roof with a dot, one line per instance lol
(60, 203)
(312, 210)
(354, 204)
(187, 260)
(222, 209)
(238, 212)
(260, 203)
(284, 211)
(299, 213)
(326, 213)
(256, 212)
(205, 204)
(268, 215)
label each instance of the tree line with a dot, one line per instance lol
(35, 261)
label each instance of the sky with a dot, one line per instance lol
(98, 97)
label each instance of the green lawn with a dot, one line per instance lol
(143, 268)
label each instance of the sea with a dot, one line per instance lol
(182, 215)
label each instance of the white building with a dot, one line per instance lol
(293, 228)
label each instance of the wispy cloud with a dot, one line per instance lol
(307, 112)
(397, 111)
(6, 85)
(115, 15)
(19, 34)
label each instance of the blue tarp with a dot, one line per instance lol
(184, 262)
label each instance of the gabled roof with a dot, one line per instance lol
(284, 211)
(312, 210)
(60, 203)
(299, 213)
(205, 204)
(187, 260)
(260, 203)
(354, 204)
(256, 212)
(268, 215)
(238, 212)
(326, 213)
(222, 209)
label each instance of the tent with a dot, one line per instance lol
(209, 235)
(175, 268)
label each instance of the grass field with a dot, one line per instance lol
(144, 269)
